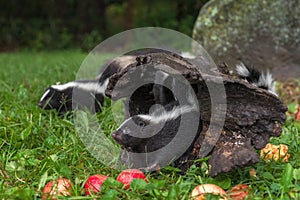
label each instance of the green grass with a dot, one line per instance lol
(37, 146)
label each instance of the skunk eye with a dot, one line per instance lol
(141, 123)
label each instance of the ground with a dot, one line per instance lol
(38, 146)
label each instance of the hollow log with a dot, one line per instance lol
(253, 115)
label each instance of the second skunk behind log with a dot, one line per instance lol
(257, 78)
(86, 93)
(59, 96)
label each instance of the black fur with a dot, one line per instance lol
(58, 100)
(152, 136)
(62, 100)
(253, 76)
(256, 77)
(146, 144)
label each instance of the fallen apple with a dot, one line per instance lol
(239, 192)
(57, 187)
(275, 152)
(126, 176)
(199, 192)
(93, 183)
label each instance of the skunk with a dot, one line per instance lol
(85, 92)
(257, 78)
(147, 133)
(59, 97)
(135, 56)
(113, 67)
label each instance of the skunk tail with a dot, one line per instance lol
(257, 78)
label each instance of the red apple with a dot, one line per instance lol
(93, 183)
(57, 187)
(199, 192)
(239, 192)
(126, 176)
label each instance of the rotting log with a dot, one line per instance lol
(253, 115)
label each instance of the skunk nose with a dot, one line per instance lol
(114, 135)
(117, 136)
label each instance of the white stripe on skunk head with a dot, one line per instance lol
(257, 78)
(142, 133)
(173, 110)
(161, 115)
(47, 91)
(158, 115)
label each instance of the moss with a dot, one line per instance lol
(221, 23)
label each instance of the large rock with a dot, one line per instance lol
(264, 33)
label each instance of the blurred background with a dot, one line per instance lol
(260, 33)
(63, 24)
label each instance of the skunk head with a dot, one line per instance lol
(148, 133)
(56, 98)
(157, 139)
(131, 132)
(257, 78)
(85, 92)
